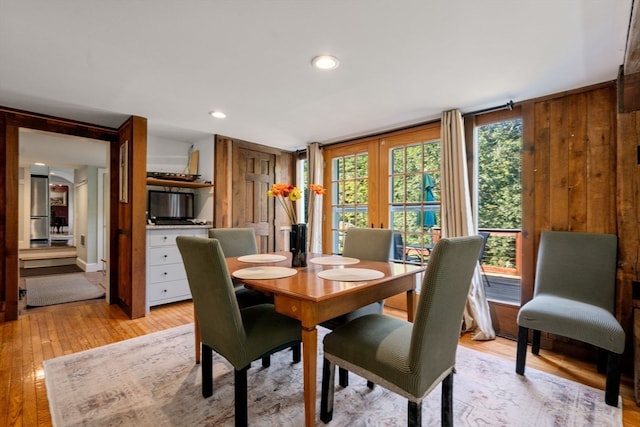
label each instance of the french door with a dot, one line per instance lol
(392, 181)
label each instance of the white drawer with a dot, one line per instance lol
(168, 237)
(166, 273)
(163, 255)
(158, 292)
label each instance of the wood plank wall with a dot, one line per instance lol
(577, 166)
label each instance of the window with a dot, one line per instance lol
(499, 204)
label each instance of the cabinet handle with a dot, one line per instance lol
(165, 256)
(165, 273)
(164, 290)
(164, 237)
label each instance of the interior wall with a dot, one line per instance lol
(570, 183)
(165, 155)
(86, 218)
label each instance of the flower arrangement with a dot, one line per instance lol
(287, 194)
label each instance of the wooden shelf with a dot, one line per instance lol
(170, 183)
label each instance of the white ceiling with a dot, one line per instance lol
(402, 62)
(62, 151)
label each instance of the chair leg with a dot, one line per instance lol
(371, 385)
(414, 414)
(343, 377)
(326, 395)
(207, 371)
(240, 387)
(612, 389)
(447, 401)
(535, 342)
(521, 352)
(296, 353)
(603, 359)
(266, 361)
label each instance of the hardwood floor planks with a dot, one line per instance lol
(47, 333)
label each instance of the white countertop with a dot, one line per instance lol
(171, 227)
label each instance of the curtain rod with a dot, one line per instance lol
(507, 106)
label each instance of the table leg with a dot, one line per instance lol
(309, 363)
(196, 333)
(411, 305)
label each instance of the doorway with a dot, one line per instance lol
(76, 213)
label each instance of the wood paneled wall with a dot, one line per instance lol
(582, 176)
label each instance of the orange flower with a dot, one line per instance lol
(318, 189)
(287, 194)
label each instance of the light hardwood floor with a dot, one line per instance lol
(50, 332)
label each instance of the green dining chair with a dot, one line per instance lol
(410, 359)
(235, 241)
(238, 242)
(373, 244)
(239, 335)
(574, 296)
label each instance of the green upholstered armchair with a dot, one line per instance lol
(374, 244)
(574, 297)
(410, 359)
(238, 335)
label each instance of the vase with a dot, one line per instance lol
(298, 245)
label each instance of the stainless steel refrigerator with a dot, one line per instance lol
(39, 210)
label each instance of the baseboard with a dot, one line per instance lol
(88, 267)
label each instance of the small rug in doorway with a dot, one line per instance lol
(153, 381)
(47, 271)
(60, 289)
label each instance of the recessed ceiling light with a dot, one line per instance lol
(325, 62)
(39, 164)
(218, 114)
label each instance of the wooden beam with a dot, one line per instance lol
(632, 53)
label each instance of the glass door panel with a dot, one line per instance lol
(391, 182)
(412, 196)
(348, 191)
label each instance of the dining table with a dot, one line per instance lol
(327, 287)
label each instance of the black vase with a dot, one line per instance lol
(298, 244)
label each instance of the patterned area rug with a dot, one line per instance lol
(59, 289)
(153, 381)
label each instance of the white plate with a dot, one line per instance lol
(264, 272)
(262, 258)
(334, 260)
(350, 274)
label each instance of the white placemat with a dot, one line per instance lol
(334, 260)
(350, 274)
(262, 258)
(267, 272)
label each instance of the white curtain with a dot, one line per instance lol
(314, 217)
(457, 217)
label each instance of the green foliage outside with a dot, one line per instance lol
(500, 189)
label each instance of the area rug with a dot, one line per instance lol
(153, 381)
(59, 289)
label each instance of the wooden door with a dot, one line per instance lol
(243, 173)
(251, 205)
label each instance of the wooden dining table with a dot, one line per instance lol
(311, 299)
